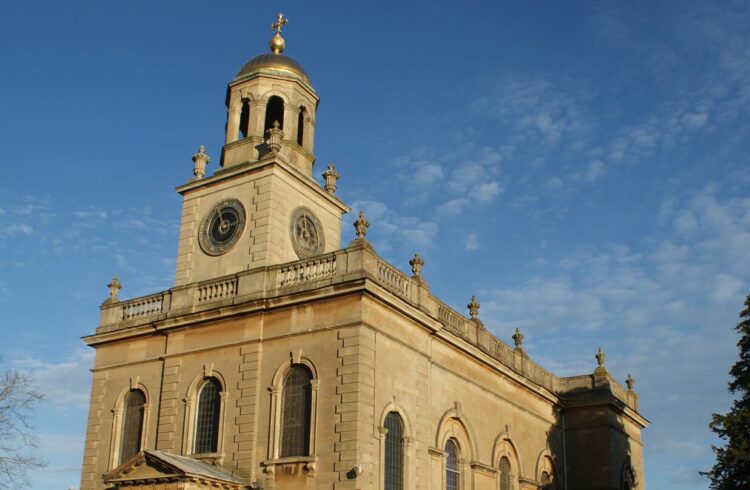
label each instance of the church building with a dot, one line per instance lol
(289, 355)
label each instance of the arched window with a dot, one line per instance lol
(505, 476)
(452, 472)
(274, 112)
(301, 125)
(296, 403)
(394, 452)
(207, 417)
(245, 119)
(132, 424)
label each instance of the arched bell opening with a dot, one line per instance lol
(301, 125)
(245, 119)
(274, 112)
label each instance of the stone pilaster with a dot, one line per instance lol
(186, 245)
(95, 431)
(261, 219)
(421, 421)
(169, 432)
(355, 394)
(245, 439)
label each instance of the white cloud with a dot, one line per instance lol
(390, 230)
(471, 242)
(453, 207)
(694, 120)
(16, 229)
(662, 311)
(486, 192)
(89, 214)
(66, 384)
(591, 172)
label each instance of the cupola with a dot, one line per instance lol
(271, 110)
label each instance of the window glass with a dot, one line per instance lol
(394, 452)
(295, 414)
(451, 465)
(207, 417)
(505, 477)
(132, 424)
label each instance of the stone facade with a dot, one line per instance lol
(374, 340)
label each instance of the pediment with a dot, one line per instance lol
(149, 467)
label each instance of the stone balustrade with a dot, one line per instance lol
(359, 261)
(216, 290)
(306, 271)
(145, 308)
(393, 279)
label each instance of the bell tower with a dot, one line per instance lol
(271, 91)
(261, 206)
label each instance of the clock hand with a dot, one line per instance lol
(304, 226)
(223, 224)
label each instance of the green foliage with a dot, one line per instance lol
(732, 468)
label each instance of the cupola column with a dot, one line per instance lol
(233, 121)
(258, 118)
(291, 114)
(309, 133)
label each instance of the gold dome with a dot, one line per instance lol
(273, 63)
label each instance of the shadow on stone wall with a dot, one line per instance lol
(589, 445)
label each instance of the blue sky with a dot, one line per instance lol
(581, 167)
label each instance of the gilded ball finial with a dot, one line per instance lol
(277, 43)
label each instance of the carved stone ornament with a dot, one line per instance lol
(416, 264)
(275, 137)
(114, 288)
(221, 227)
(331, 177)
(473, 307)
(200, 160)
(518, 338)
(600, 357)
(630, 382)
(361, 225)
(306, 233)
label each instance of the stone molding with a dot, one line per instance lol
(357, 266)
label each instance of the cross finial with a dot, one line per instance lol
(114, 288)
(280, 22)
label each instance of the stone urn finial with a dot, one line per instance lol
(114, 288)
(416, 264)
(600, 357)
(275, 137)
(331, 178)
(361, 225)
(473, 307)
(518, 338)
(200, 160)
(630, 382)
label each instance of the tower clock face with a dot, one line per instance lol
(306, 233)
(222, 227)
